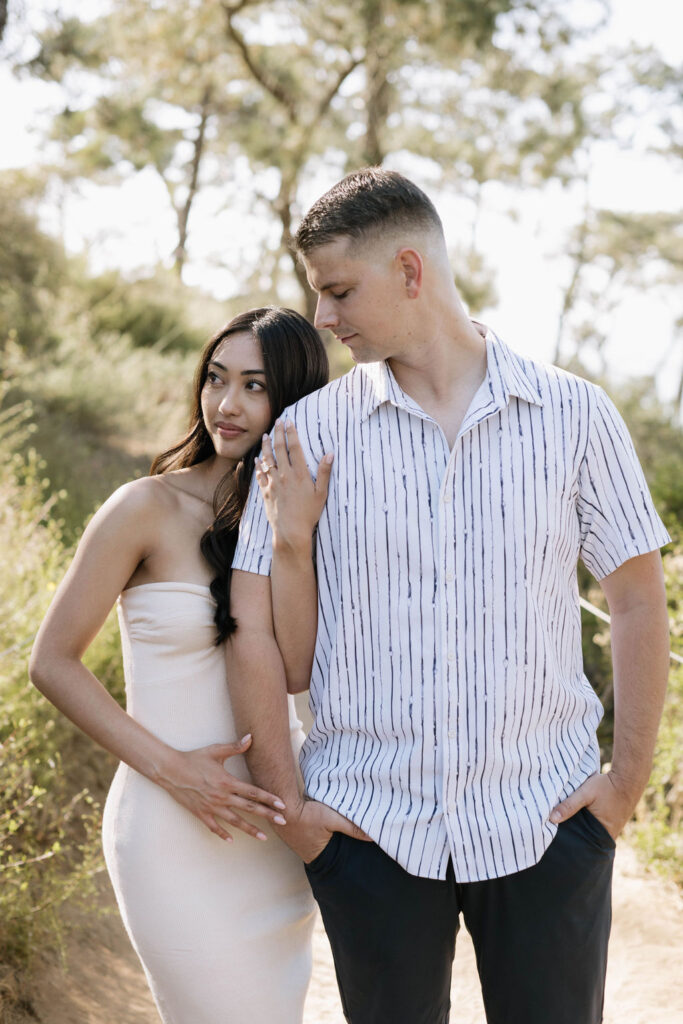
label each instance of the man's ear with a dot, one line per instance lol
(410, 264)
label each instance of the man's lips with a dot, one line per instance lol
(345, 338)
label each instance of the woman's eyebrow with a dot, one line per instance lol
(243, 373)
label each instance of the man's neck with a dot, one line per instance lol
(444, 373)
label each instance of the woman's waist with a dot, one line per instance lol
(190, 712)
(198, 727)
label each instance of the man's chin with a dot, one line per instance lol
(360, 356)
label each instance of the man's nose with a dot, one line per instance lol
(326, 317)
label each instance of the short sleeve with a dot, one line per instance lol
(617, 518)
(254, 551)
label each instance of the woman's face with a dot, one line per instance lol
(235, 403)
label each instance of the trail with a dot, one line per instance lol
(104, 983)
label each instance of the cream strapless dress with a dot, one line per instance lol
(223, 930)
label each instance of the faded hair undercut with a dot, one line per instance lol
(368, 202)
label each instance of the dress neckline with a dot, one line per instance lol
(168, 585)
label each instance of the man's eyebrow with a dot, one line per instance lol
(243, 373)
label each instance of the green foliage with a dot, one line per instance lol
(610, 251)
(659, 441)
(105, 363)
(92, 399)
(32, 269)
(474, 281)
(49, 823)
(67, 44)
(87, 402)
(150, 312)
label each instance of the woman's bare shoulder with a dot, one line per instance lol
(143, 498)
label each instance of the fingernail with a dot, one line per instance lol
(280, 804)
(261, 835)
(279, 820)
(245, 738)
(228, 839)
(556, 817)
(329, 458)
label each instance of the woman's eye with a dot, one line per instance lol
(255, 385)
(212, 378)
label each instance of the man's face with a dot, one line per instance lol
(359, 298)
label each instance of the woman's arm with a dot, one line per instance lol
(293, 503)
(118, 538)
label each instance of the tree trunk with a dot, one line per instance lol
(183, 214)
(377, 87)
(283, 209)
(678, 406)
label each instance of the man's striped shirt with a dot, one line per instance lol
(451, 712)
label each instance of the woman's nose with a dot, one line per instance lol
(230, 401)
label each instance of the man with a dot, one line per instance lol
(453, 723)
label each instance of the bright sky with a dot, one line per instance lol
(131, 226)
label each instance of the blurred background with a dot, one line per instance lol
(155, 159)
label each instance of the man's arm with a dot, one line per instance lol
(258, 691)
(293, 504)
(640, 657)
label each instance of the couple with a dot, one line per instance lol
(452, 767)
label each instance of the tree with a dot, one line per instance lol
(32, 268)
(611, 250)
(482, 90)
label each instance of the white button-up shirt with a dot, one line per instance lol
(451, 712)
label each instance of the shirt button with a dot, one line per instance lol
(449, 577)
(452, 734)
(451, 655)
(446, 498)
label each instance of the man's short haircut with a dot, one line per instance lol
(368, 202)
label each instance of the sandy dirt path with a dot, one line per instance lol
(105, 985)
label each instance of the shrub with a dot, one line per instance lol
(49, 827)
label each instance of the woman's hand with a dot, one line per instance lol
(293, 501)
(198, 781)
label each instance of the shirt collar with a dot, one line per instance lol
(507, 375)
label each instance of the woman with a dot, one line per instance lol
(221, 922)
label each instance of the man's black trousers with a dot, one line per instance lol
(540, 935)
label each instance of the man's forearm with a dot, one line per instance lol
(295, 611)
(259, 699)
(640, 660)
(258, 693)
(640, 657)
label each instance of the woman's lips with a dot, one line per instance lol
(228, 431)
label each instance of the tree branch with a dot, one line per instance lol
(325, 102)
(265, 80)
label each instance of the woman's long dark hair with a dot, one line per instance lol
(295, 364)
